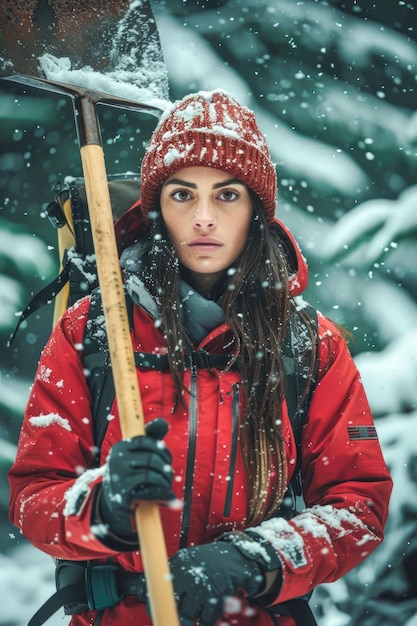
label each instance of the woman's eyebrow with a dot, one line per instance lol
(230, 181)
(178, 181)
(224, 183)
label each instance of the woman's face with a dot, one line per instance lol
(207, 214)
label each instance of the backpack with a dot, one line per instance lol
(68, 214)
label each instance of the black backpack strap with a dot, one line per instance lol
(297, 361)
(298, 608)
(84, 585)
(81, 273)
(301, 612)
(200, 359)
(68, 595)
(44, 296)
(97, 367)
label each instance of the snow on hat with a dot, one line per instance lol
(211, 129)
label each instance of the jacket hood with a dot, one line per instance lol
(132, 223)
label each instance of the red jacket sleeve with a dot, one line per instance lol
(57, 428)
(347, 485)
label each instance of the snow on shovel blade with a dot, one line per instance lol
(111, 46)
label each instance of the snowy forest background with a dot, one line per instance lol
(333, 85)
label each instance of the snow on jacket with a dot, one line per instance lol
(346, 482)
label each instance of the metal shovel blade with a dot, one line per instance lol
(111, 46)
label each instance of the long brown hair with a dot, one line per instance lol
(257, 303)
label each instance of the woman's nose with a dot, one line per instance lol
(204, 216)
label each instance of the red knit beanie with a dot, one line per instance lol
(210, 129)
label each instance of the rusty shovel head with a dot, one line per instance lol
(110, 43)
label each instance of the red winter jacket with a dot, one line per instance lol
(346, 482)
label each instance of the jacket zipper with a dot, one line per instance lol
(233, 451)
(189, 473)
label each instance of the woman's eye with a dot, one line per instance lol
(228, 195)
(181, 195)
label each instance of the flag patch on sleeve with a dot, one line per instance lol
(362, 432)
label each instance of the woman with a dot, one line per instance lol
(213, 277)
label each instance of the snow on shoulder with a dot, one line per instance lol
(43, 421)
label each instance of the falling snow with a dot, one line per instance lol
(342, 130)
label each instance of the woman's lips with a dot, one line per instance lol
(204, 243)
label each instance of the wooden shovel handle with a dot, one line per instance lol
(154, 555)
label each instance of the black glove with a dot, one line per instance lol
(204, 576)
(136, 469)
